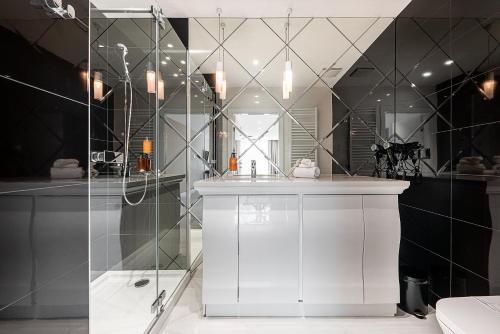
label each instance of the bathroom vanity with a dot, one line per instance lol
(291, 247)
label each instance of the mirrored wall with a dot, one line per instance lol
(255, 119)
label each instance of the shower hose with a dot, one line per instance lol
(128, 108)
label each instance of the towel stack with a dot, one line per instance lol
(495, 169)
(66, 169)
(306, 168)
(471, 165)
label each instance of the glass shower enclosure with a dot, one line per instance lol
(140, 249)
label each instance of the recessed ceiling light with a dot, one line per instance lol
(388, 94)
(379, 100)
(183, 62)
(448, 62)
(413, 85)
(183, 83)
(197, 81)
(101, 46)
(167, 58)
(176, 75)
(256, 96)
(201, 102)
(195, 95)
(257, 102)
(164, 62)
(411, 106)
(169, 45)
(427, 74)
(127, 63)
(180, 70)
(255, 62)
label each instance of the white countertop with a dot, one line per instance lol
(327, 184)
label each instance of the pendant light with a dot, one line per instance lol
(223, 86)
(489, 84)
(161, 87)
(98, 86)
(150, 79)
(287, 73)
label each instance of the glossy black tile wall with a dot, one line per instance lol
(449, 220)
(43, 223)
(427, 79)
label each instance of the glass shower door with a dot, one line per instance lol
(124, 211)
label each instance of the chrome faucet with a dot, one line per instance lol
(253, 172)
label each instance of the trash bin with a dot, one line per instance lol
(414, 286)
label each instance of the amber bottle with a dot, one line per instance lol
(233, 163)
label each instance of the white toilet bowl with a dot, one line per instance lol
(469, 315)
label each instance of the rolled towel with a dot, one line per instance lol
(312, 164)
(66, 173)
(70, 163)
(309, 172)
(305, 163)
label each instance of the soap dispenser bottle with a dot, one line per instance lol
(233, 163)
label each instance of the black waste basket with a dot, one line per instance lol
(414, 285)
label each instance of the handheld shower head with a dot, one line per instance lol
(123, 47)
(124, 53)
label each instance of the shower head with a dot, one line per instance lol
(124, 53)
(123, 47)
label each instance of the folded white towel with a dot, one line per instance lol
(306, 172)
(66, 173)
(71, 163)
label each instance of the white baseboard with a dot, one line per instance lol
(300, 310)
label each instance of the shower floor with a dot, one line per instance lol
(117, 306)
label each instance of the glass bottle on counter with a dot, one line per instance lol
(233, 164)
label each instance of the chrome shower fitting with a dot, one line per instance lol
(124, 54)
(55, 8)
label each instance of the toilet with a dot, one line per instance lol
(469, 315)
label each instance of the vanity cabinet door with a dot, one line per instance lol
(332, 249)
(220, 249)
(382, 235)
(269, 249)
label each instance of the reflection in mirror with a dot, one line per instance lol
(256, 120)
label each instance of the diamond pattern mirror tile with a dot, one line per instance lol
(328, 60)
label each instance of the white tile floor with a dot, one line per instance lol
(117, 306)
(187, 318)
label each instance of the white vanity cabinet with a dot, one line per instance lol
(295, 247)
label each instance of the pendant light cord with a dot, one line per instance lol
(287, 37)
(219, 34)
(223, 36)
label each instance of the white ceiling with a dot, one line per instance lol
(267, 8)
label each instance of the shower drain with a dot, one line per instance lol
(142, 282)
